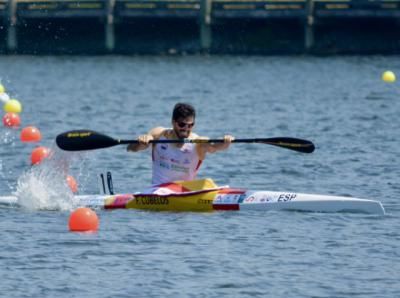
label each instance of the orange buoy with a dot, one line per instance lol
(11, 120)
(30, 134)
(38, 154)
(73, 185)
(83, 220)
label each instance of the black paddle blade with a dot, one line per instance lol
(295, 144)
(83, 139)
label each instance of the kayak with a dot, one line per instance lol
(204, 196)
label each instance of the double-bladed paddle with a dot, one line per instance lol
(77, 140)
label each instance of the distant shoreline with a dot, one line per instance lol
(230, 27)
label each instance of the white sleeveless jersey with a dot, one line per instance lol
(171, 163)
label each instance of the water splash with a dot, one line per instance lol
(7, 146)
(8, 136)
(43, 190)
(44, 186)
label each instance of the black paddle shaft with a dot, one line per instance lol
(78, 140)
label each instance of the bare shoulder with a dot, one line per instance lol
(158, 132)
(194, 136)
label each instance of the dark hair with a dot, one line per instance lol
(183, 110)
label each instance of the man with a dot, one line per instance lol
(181, 161)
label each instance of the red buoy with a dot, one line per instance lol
(38, 154)
(83, 220)
(73, 185)
(11, 120)
(30, 134)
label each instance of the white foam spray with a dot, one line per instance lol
(44, 186)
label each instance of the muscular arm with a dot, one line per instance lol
(153, 134)
(205, 148)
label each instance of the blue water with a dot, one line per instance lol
(340, 103)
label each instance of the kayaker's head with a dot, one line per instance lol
(183, 118)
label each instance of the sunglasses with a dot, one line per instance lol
(184, 124)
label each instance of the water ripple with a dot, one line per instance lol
(339, 103)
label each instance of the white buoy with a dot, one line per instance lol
(4, 97)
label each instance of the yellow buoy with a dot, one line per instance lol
(2, 89)
(12, 106)
(389, 77)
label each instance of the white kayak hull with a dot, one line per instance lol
(224, 199)
(314, 203)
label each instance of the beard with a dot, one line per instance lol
(182, 134)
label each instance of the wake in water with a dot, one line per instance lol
(7, 142)
(44, 186)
